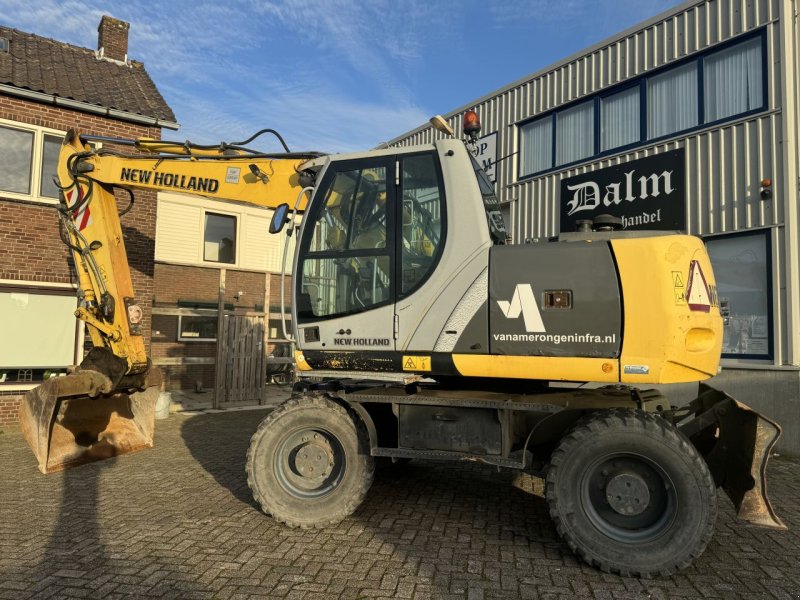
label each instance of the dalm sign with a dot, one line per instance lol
(648, 193)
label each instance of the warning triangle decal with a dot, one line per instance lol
(697, 295)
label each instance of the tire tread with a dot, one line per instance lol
(322, 403)
(597, 422)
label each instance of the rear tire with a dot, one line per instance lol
(630, 494)
(308, 464)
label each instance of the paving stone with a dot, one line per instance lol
(178, 521)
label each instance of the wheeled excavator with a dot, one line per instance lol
(421, 333)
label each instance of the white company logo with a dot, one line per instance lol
(523, 302)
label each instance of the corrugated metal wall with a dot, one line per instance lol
(724, 165)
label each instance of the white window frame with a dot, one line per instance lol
(238, 219)
(36, 158)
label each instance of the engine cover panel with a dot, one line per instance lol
(554, 299)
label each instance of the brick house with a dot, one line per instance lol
(47, 87)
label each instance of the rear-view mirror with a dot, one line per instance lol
(279, 218)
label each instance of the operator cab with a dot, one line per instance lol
(374, 232)
(385, 234)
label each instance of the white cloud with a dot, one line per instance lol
(207, 59)
(70, 21)
(329, 74)
(308, 121)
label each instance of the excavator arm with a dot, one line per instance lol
(105, 406)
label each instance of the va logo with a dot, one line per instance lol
(523, 302)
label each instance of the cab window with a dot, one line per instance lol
(421, 218)
(346, 266)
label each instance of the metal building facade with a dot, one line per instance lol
(724, 162)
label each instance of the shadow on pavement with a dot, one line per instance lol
(219, 443)
(90, 554)
(75, 550)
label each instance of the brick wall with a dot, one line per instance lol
(275, 292)
(9, 409)
(29, 236)
(176, 283)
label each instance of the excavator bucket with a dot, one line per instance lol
(736, 442)
(71, 420)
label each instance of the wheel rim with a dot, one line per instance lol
(628, 497)
(310, 463)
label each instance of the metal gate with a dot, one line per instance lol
(241, 361)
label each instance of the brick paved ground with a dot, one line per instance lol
(178, 522)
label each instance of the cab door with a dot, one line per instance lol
(344, 277)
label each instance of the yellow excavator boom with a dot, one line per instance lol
(106, 406)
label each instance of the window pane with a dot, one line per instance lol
(42, 327)
(422, 219)
(536, 141)
(740, 268)
(672, 101)
(354, 215)
(333, 223)
(369, 218)
(575, 133)
(52, 146)
(219, 241)
(198, 328)
(353, 218)
(333, 286)
(619, 119)
(733, 81)
(16, 155)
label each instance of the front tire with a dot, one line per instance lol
(630, 494)
(308, 464)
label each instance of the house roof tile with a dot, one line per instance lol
(51, 67)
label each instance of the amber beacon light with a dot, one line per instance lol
(472, 124)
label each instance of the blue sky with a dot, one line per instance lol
(331, 75)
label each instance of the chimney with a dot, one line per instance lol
(112, 41)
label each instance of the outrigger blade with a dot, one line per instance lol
(736, 442)
(79, 418)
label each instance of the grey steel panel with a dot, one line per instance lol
(520, 321)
